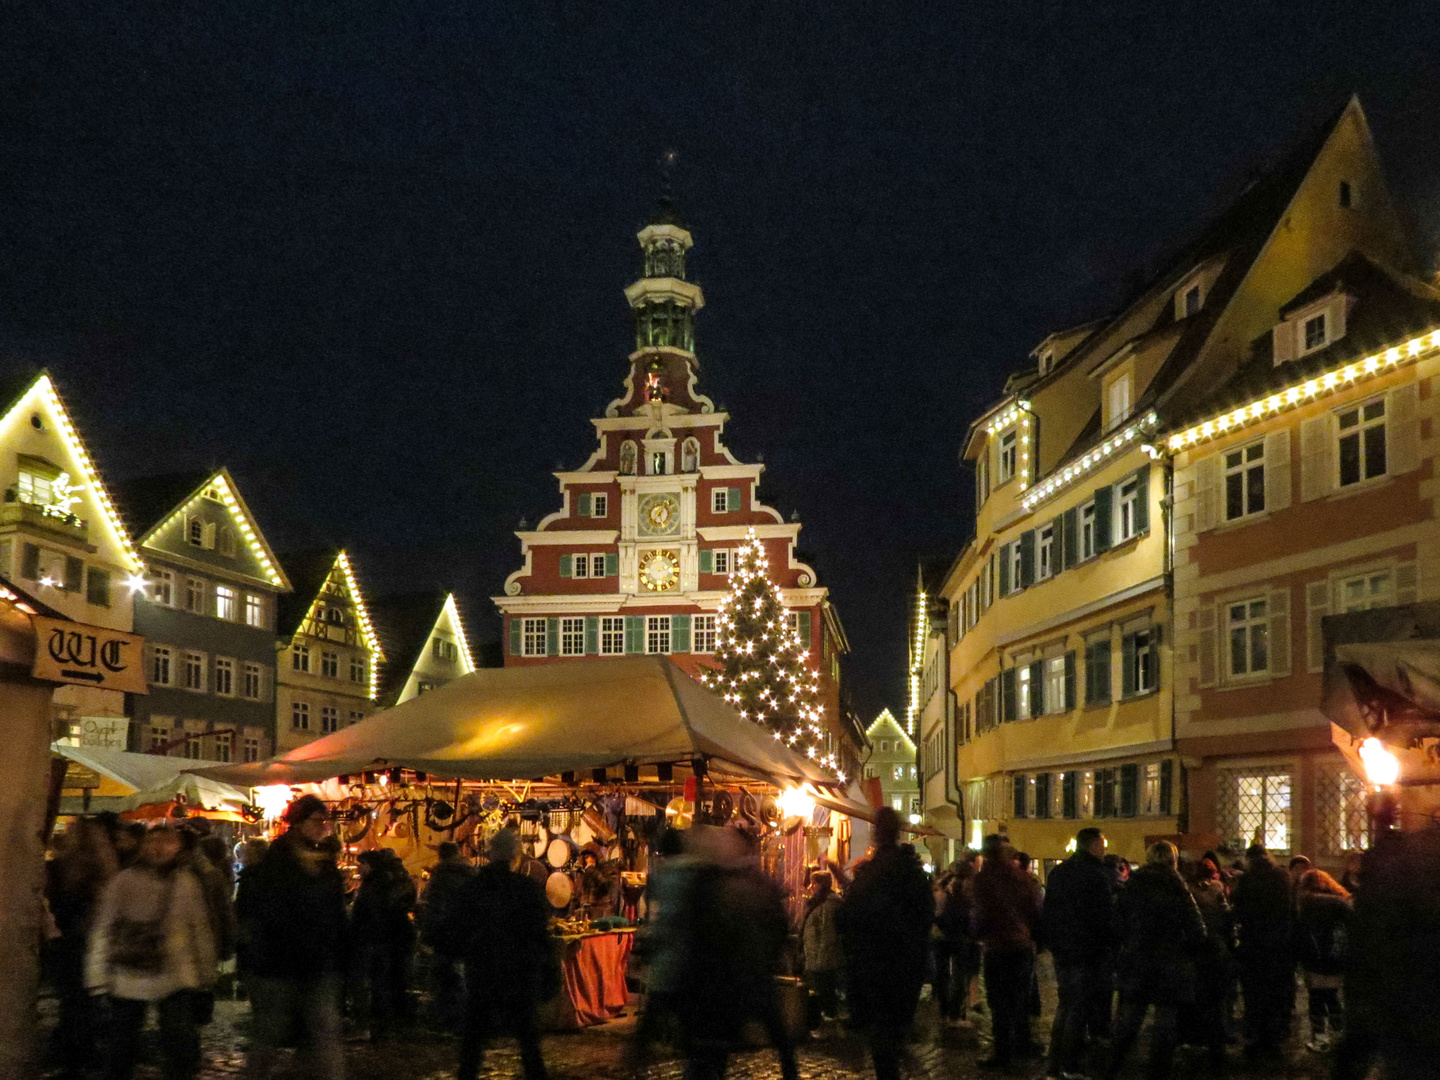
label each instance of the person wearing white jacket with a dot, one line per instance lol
(152, 942)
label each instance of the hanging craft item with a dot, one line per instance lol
(770, 811)
(679, 813)
(558, 853)
(598, 825)
(355, 822)
(558, 890)
(722, 806)
(581, 833)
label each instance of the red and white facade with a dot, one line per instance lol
(637, 557)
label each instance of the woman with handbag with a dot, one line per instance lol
(152, 942)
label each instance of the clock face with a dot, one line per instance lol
(659, 514)
(660, 571)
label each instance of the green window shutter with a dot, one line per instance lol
(74, 573)
(592, 634)
(1070, 681)
(1068, 786)
(634, 634)
(1019, 796)
(30, 562)
(1129, 790)
(1037, 688)
(1097, 673)
(707, 561)
(1104, 517)
(612, 565)
(1127, 665)
(1071, 539)
(805, 623)
(516, 625)
(1142, 506)
(97, 587)
(1009, 695)
(1167, 785)
(679, 633)
(584, 505)
(552, 637)
(1042, 795)
(1027, 558)
(1004, 569)
(567, 565)
(732, 500)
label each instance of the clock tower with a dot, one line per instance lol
(637, 558)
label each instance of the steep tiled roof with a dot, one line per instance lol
(307, 571)
(145, 501)
(404, 624)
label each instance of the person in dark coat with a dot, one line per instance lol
(956, 954)
(1161, 930)
(1203, 1024)
(448, 878)
(1079, 927)
(1263, 916)
(1005, 919)
(383, 936)
(291, 913)
(1322, 910)
(885, 927)
(500, 922)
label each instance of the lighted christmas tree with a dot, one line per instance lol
(764, 669)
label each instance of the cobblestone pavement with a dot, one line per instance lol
(598, 1054)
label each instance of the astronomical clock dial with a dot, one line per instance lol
(660, 571)
(659, 514)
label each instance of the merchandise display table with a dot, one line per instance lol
(592, 980)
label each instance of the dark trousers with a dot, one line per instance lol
(825, 986)
(1078, 986)
(483, 1019)
(1008, 975)
(1162, 1039)
(952, 981)
(1269, 991)
(1324, 1010)
(447, 983)
(179, 1036)
(76, 1034)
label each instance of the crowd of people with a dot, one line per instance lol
(1208, 951)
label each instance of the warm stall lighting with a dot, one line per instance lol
(796, 802)
(1382, 768)
(272, 800)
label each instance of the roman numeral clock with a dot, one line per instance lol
(658, 516)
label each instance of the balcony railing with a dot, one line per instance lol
(48, 518)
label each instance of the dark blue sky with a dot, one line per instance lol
(371, 255)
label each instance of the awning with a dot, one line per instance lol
(540, 721)
(136, 771)
(1387, 689)
(842, 804)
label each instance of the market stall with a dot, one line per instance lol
(141, 785)
(590, 760)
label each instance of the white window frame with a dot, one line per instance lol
(358, 669)
(300, 658)
(329, 719)
(533, 634)
(1055, 685)
(599, 505)
(572, 635)
(1007, 455)
(255, 610)
(1358, 431)
(982, 482)
(162, 587)
(252, 679)
(1248, 618)
(1306, 322)
(704, 633)
(224, 676)
(299, 716)
(192, 671)
(1198, 293)
(162, 665)
(1044, 552)
(612, 635)
(251, 749)
(657, 634)
(1119, 400)
(1251, 457)
(195, 594)
(1127, 508)
(330, 664)
(580, 566)
(1150, 791)
(1087, 530)
(225, 597)
(1372, 598)
(722, 560)
(1015, 563)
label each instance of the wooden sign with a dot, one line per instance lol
(71, 652)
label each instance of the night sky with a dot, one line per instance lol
(371, 255)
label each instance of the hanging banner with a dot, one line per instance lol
(70, 652)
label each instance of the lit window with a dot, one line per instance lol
(1087, 530)
(300, 658)
(443, 650)
(1118, 400)
(703, 633)
(1127, 509)
(1045, 552)
(162, 587)
(1249, 638)
(1257, 802)
(1362, 443)
(1245, 481)
(224, 676)
(34, 488)
(160, 659)
(224, 602)
(357, 669)
(657, 633)
(254, 611)
(1086, 799)
(330, 665)
(252, 749)
(532, 637)
(1367, 591)
(1055, 684)
(300, 716)
(612, 635)
(722, 560)
(1009, 455)
(194, 671)
(1023, 691)
(250, 687)
(195, 595)
(572, 637)
(329, 719)
(1150, 791)
(1140, 656)
(1315, 332)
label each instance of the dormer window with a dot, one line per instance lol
(1190, 296)
(1117, 400)
(1008, 456)
(1311, 328)
(1315, 337)
(1345, 202)
(1047, 363)
(1191, 300)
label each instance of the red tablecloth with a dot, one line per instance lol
(592, 975)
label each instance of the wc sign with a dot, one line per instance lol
(71, 652)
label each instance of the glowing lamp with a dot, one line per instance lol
(1382, 768)
(136, 583)
(796, 802)
(272, 800)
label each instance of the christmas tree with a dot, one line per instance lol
(764, 671)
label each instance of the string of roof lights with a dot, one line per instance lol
(1089, 461)
(372, 640)
(917, 658)
(1017, 413)
(1307, 390)
(228, 499)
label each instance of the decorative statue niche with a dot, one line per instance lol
(627, 458)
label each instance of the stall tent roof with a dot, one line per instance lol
(138, 771)
(543, 720)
